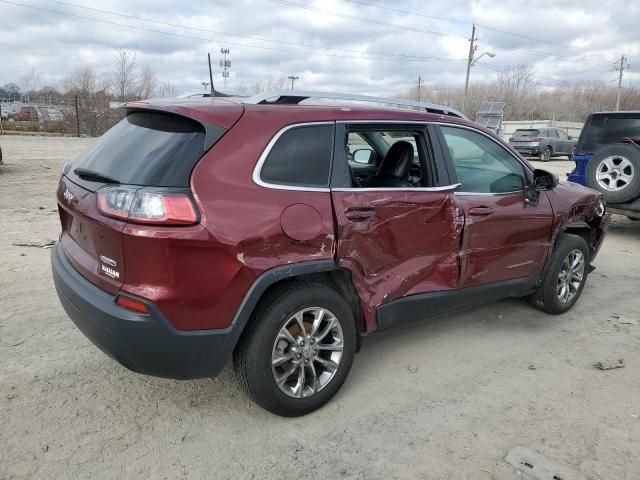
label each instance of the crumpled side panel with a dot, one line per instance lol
(409, 244)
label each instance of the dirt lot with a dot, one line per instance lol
(445, 399)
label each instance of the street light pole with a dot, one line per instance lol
(472, 50)
(293, 79)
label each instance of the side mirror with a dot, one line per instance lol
(363, 155)
(570, 137)
(543, 180)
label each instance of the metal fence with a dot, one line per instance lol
(72, 115)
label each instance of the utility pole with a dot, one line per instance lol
(77, 117)
(210, 75)
(620, 69)
(293, 79)
(225, 65)
(419, 88)
(472, 51)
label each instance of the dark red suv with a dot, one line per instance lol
(280, 233)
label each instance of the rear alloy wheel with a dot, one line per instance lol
(298, 348)
(565, 276)
(307, 352)
(545, 155)
(615, 171)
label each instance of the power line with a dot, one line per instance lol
(466, 22)
(430, 32)
(369, 55)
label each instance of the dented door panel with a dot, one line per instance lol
(397, 243)
(504, 237)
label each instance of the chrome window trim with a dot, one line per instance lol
(399, 189)
(257, 170)
(265, 153)
(488, 194)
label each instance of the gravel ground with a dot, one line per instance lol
(443, 399)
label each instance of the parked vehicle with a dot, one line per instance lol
(608, 160)
(52, 115)
(29, 114)
(280, 234)
(544, 143)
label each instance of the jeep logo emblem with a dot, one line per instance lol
(68, 196)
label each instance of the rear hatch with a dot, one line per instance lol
(148, 153)
(524, 137)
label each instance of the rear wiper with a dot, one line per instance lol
(92, 175)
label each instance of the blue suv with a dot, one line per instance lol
(607, 159)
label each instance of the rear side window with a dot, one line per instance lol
(604, 129)
(300, 157)
(147, 148)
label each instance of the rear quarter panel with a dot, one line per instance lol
(243, 219)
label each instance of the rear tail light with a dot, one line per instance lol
(148, 206)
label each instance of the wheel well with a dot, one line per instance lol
(339, 280)
(581, 231)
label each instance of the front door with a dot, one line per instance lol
(504, 236)
(402, 236)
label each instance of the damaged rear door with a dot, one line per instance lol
(397, 240)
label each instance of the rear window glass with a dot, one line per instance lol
(147, 148)
(606, 129)
(525, 133)
(300, 157)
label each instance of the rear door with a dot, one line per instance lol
(396, 241)
(504, 236)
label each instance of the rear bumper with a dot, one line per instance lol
(527, 151)
(146, 344)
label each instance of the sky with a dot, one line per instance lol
(377, 47)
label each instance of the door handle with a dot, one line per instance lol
(481, 211)
(359, 214)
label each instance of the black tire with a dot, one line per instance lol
(546, 297)
(546, 153)
(616, 154)
(253, 356)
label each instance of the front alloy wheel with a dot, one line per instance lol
(307, 352)
(564, 276)
(570, 276)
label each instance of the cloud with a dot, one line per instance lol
(574, 41)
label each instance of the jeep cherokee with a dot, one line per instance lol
(279, 233)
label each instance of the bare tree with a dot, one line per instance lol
(123, 74)
(94, 112)
(168, 89)
(82, 80)
(147, 83)
(273, 83)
